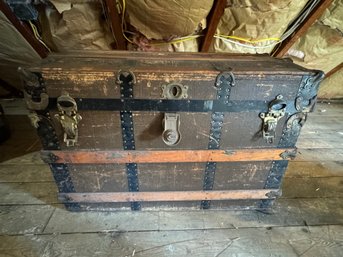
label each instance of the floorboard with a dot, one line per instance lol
(303, 241)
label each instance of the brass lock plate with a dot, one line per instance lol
(174, 91)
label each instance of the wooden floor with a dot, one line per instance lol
(306, 221)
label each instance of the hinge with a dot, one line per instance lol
(35, 94)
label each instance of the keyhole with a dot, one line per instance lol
(175, 91)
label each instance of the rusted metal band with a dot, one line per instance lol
(166, 105)
(126, 80)
(34, 87)
(304, 103)
(170, 156)
(224, 82)
(167, 196)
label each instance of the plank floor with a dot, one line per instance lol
(306, 221)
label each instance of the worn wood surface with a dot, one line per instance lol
(121, 157)
(92, 76)
(307, 221)
(189, 63)
(167, 196)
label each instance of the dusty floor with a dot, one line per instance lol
(307, 220)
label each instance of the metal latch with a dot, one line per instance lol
(276, 110)
(171, 135)
(68, 118)
(34, 91)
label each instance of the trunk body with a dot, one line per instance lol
(150, 130)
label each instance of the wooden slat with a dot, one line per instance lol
(23, 30)
(167, 196)
(213, 20)
(334, 70)
(121, 156)
(282, 49)
(116, 22)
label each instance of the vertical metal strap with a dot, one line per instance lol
(126, 81)
(37, 101)
(304, 102)
(224, 82)
(60, 171)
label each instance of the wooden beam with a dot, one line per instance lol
(167, 196)
(213, 19)
(24, 30)
(116, 24)
(334, 70)
(172, 156)
(282, 49)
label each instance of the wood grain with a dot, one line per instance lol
(121, 156)
(167, 196)
(213, 19)
(115, 19)
(334, 70)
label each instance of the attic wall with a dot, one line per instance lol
(322, 48)
(332, 87)
(15, 51)
(255, 20)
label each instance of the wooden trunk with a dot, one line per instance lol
(168, 130)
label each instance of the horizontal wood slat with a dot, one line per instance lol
(121, 157)
(168, 196)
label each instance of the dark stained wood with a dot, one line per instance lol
(168, 196)
(334, 70)
(120, 156)
(59, 65)
(282, 49)
(96, 163)
(23, 30)
(310, 226)
(116, 24)
(12, 92)
(213, 19)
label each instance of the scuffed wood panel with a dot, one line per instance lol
(194, 129)
(238, 175)
(99, 178)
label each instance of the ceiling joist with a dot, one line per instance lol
(24, 30)
(316, 13)
(213, 19)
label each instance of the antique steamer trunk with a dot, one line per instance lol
(136, 130)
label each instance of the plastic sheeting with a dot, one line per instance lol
(165, 19)
(256, 20)
(322, 45)
(15, 51)
(322, 48)
(77, 27)
(332, 87)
